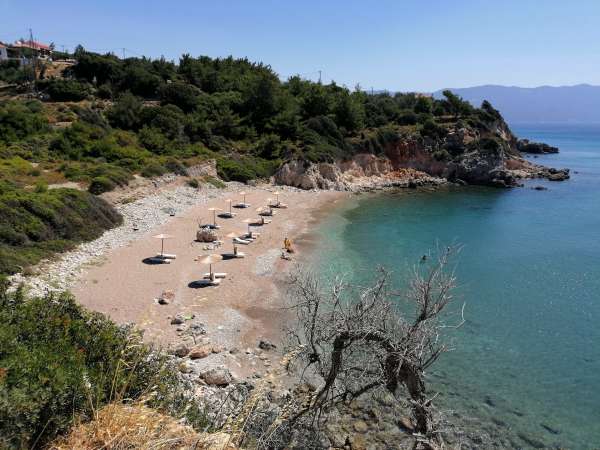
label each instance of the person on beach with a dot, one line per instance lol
(287, 244)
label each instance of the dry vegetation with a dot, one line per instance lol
(118, 427)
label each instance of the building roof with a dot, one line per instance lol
(2, 45)
(31, 44)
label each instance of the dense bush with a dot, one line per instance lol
(21, 120)
(35, 224)
(61, 90)
(231, 170)
(99, 185)
(77, 361)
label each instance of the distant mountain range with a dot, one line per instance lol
(561, 104)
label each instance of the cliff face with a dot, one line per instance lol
(464, 154)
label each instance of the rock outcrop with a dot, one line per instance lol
(487, 155)
(526, 146)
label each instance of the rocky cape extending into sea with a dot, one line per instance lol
(490, 156)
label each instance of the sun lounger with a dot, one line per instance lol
(252, 235)
(215, 274)
(233, 255)
(241, 241)
(242, 205)
(266, 213)
(266, 221)
(279, 205)
(166, 256)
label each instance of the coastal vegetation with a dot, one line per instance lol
(71, 366)
(105, 120)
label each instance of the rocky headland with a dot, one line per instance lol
(462, 153)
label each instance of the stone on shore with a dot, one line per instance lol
(217, 376)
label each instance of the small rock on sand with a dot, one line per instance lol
(217, 376)
(266, 345)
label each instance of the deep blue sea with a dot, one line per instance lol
(527, 360)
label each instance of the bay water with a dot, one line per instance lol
(527, 361)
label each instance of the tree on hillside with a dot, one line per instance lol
(456, 105)
(356, 340)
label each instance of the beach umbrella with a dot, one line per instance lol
(249, 221)
(229, 201)
(231, 236)
(276, 193)
(210, 260)
(214, 211)
(243, 194)
(162, 238)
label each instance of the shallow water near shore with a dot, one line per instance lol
(527, 361)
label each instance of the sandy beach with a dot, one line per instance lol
(243, 309)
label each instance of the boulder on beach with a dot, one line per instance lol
(217, 376)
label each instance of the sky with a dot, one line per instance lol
(397, 45)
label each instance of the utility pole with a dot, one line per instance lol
(319, 77)
(34, 58)
(123, 52)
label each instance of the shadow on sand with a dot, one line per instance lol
(153, 261)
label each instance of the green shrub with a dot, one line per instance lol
(77, 361)
(153, 169)
(231, 170)
(99, 185)
(433, 130)
(215, 182)
(172, 165)
(63, 90)
(33, 225)
(40, 187)
(194, 183)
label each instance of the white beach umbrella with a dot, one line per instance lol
(210, 260)
(276, 193)
(162, 238)
(243, 194)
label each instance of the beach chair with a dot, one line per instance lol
(215, 275)
(241, 241)
(233, 255)
(242, 205)
(166, 256)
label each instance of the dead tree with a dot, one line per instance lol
(360, 339)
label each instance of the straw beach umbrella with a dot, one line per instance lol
(210, 260)
(249, 221)
(244, 204)
(162, 238)
(230, 202)
(214, 211)
(231, 236)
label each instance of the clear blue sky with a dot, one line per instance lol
(396, 44)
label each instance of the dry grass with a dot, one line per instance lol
(119, 427)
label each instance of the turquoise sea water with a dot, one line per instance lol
(527, 361)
